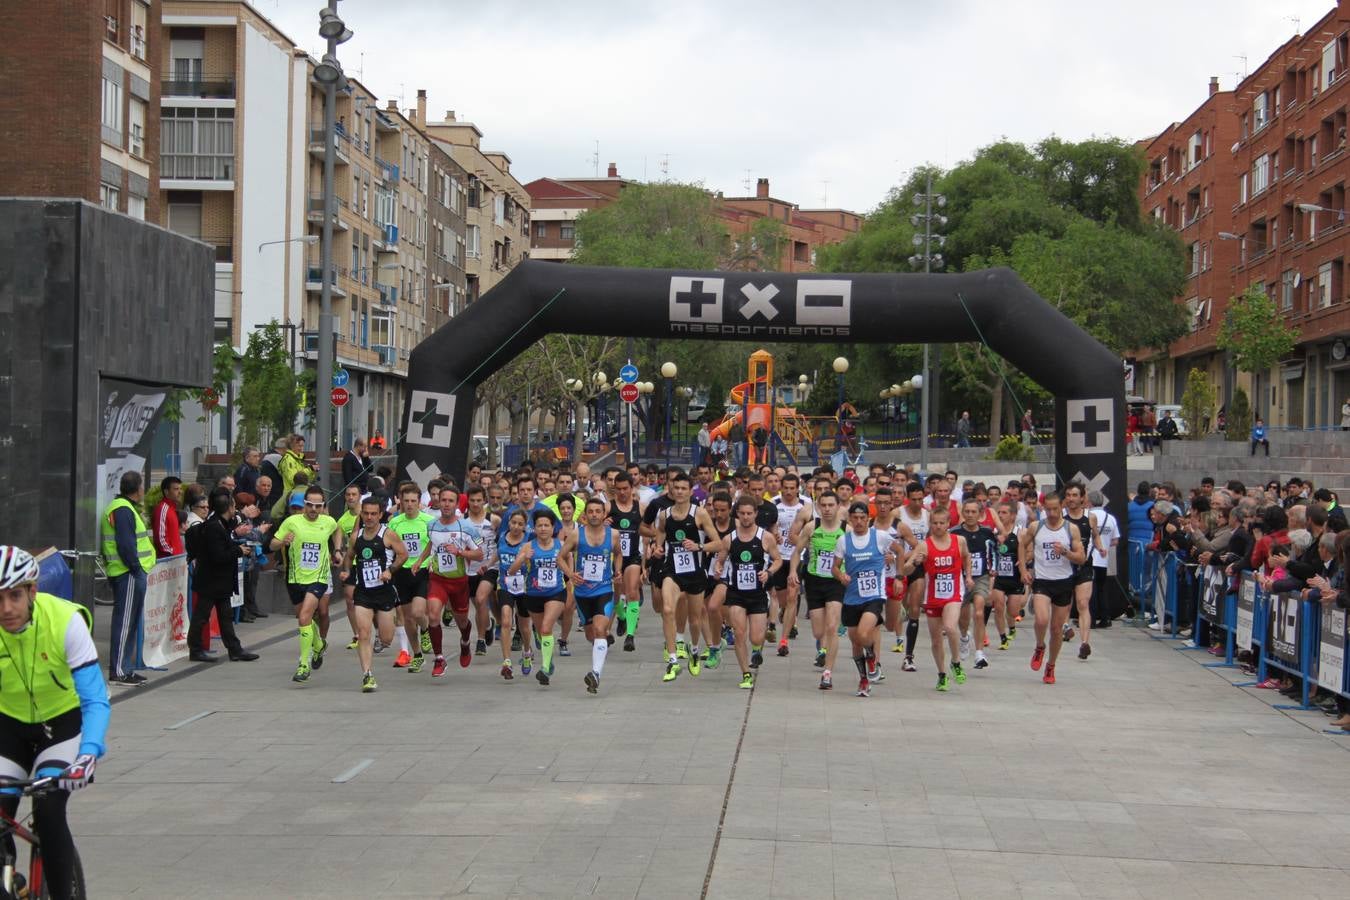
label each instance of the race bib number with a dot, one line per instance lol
(371, 570)
(976, 565)
(414, 544)
(445, 558)
(310, 555)
(593, 568)
(869, 585)
(1051, 554)
(747, 578)
(1005, 567)
(824, 563)
(547, 575)
(684, 562)
(944, 586)
(515, 584)
(625, 543)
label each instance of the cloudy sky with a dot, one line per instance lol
(832, 101)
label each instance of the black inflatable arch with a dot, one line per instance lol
(994, 305)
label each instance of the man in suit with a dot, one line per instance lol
(357, 467)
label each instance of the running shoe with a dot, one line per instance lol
(1012, 631)
(826, 682)
(426, 642)
(417, 662)
(875, 675)
(526, 662)
(1049, 676)
(756, 659)
(714, 657)
(1084, 651)
(986, 640)
(864, 688)
(1270, 684)
(943, 684)
(771, 634)
(403, 660)
(672, 671)
(316, 658)
(680, 651)
(368, 685)
(609, 640)
(563, 649)
(464, 656)
(965, 646)
(981, 661)
(958, 673)
(1018, 617)
(841, 631)
(542, 677)
(354, 643)
(447, 617)
(628, 643)
(820, 659)
(515, 642)
(1068, 632)
(622, 625)
(301, 673)
(783, 648)
(592, 683)
(1037, 657)
(792, 635)
(438, 670)
(506, 670)
(747, 681)
(480, 649)
(378, 646)
(694, 665)
(908, 665)
(1005, 642)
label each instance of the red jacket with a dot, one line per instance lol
(165, 530)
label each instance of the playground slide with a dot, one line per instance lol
(737, 395)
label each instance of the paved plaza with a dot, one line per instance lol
(1141, 774)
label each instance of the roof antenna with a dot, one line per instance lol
(1244, 66)
(1296, 22)
(825, 193)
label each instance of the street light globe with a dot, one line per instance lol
(916, 382)
(600, 378)
(884, 393)
(669, 370)
(840, 365)
(646, 387)
(802, 379)
(895, 390)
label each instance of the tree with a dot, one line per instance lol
(1238, 421)
(1254, 331)
(269, 393)
(1197, 403)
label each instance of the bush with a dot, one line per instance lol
(1197, 404)
(1011, 449)
(1238, 417)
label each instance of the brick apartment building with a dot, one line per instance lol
(1276, 170)
(557, 202)
(99, 60)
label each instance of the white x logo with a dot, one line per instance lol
(758, 301)
(1097, 483)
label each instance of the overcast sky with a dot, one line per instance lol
(802, 92)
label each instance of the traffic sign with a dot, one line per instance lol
(340, 396)
(628, 374)
(340, 378)
(628, 393)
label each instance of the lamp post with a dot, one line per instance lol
(601, 381)
(919, 383)
(927, 219)
(646, 389)
(574, 387)
(840, 366)
(668, 371)
(327, 73)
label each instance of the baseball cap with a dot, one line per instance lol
(297, 498)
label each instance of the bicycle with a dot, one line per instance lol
(14, 885)
(73, 557)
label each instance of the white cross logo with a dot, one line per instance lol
(422, 476)
(758, 301)
(1097, 483)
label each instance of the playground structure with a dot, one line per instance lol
(798, 436)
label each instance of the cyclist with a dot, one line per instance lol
(53, 706)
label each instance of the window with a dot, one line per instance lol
(569, 231)
(498, 209)
(1312, 152)
(197, 143)
(137, 117)
(1195, 258)
(112, 108)
(136, 207)
(1242, 188)
(1287, 289)
(1329, 72)
(109, 195)
(1324, 285)
(1260, 112)
(138, 23)
(1260, 174)
(473, 242)
(185, 57)
(1195, 150)
(540, 230)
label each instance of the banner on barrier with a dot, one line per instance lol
(1246, 611)
(165, 621)
(1331, 650)
(1284, 628)
(1213, 587)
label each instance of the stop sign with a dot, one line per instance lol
(628, 393)
(340, 396)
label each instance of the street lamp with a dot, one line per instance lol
(919, 383)
(840, 366)
(927, 199)
(668, 371)
(303, 239)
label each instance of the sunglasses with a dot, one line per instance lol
(309, 505)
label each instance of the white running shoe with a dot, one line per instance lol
(965, 646)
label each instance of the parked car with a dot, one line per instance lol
(1182, 428)
(479, 450)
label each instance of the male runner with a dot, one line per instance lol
(511, 595)
(542, 560)
(824, 594)
(1007, 584)
(482, 572)
(625, 517)
(310, 540)
(946, 566)
(1056, 547)
(719, 507)
(411, 525)
(912, 526)
(1075, 499)
(980, 543)
(598, 558)
(789, 505)
(348, 522)
(376, 553)
(860, 565)
(681, 529)
(450, 543)
(766, 516)
(744, 553)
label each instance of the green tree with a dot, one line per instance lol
(1197, 403)
(1254, 332)
(269, 393)
(1239, 418)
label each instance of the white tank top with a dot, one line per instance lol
(1050, 564)
(918, 526)
(487, 543)
(787, 514)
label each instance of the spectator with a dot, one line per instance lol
(357, 467)
(1028, 428)
(164, 521)
(292, 463)
(703, 444)
(1150, 426)
(1167, 428)
(760, 438)
(128, 556)
(378, 444)
(718, 450)
(736, 437)
(270, 466)
(963, 429)
(246, 476)
(215, 580)
(1132, 439)
(1336, 520)
(1259, 436)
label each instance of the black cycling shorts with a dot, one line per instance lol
(409, 585)
(753, 604)
(820, 591)
(1059, 590)
(851, 615)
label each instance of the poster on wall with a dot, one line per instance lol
(1246, 611)
(128, 413)
(1331, 649)
(1284, 627)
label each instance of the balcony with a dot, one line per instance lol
(197, 167)
(388, 171)
(314, 279)
(388, 355)
(202, 87)
(314, 211)
(342, 145)
(384, 121)
(388, 293)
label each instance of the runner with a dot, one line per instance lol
(451, 542)
(744, 553)
(545, 595)
(348, 522)
(565, 532)
(883, 513)
(511, 595)
(625, 516)
(1056, 548)
(682, 528)
(912, 527)
(1075, 496)
(598, 558)
(789, 505)
(310, 540)
(824, 594)
(714, 622)
(1007, 584)
(980, 542)
(411, 525)
(860, 557)
(946, 566)
(376, 553)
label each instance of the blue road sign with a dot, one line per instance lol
(628, 374)
(340, 378)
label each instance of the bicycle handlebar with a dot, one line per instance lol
(31, 786)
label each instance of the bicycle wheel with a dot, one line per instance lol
(37, 877)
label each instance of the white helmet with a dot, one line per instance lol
(17, 567)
